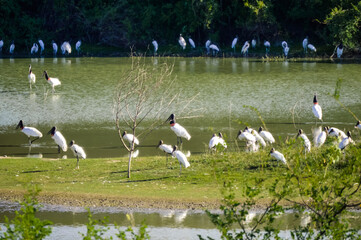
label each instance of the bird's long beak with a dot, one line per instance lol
(17, 126)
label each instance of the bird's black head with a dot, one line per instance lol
(246, 129)
(71, 143)
(348, 134)
(175, 148)
(214, 135)
(125, 132)
(171, 118)
(260, 129)
(272, 150)
(239, 133)
(331, 131)
(30, 68)
(52, 131)
(358, 123)
(220, 135)
(340, 46)
(46, 75)
(325, 129)
(20, 125)
(300, 131)
(315, 99)
(160, 143)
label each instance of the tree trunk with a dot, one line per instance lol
(129, 162)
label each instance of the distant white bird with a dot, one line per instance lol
(285, 47)
(316, 108)
(214, 48)
(34, 49)
(1, 45)
(181, 158)
(245, 48)
(77, 46)
(259, 139)
(168, 149)
(267, 136)
(42, 46)
(59, 139)
(304, 44)
(267, 44)
(321, 138)
(216, 140)
(234, 42)
(55, 48)
(254, 43)
(12, 48)
(335, 132)
(130, 138)
(182, 42)
(306, 141)
(346, 141)
(65, 48)
(311, 47)
(52, 81)
(245, 135)
(31, 77)
(180, 131)
(191, 42)
(339, 50)
(358, 125)
(30, 132)
(208, 43)
(78, 152)
(155, 45)
(277, 155)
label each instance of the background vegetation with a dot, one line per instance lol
(136, 23)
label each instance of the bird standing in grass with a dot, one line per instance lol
(34, 49)
(285, 47)
(180, 131)
(31, 77)
(12, 48)
(316, 108)
(267, 44)
(358, 125)
(267, 136)
(346, 141)
(42, 46)
(77, 46)
(304, 44)
(59, 139)
(30, 132)
(168, 149)
(306, 141)
(278, 156)
(78, 152)
(234, 42)
(320, 136)
(181, 158)
(52, 81)
(339, 50)
(216, 140)
(208, 43)
(191, 42)
(55, 48)
(245, 48)
(155, 45)
(182, 42)
(214, 48)
(311, 47)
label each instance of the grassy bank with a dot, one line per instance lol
(103, 182)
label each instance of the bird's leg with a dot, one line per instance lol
(34, 139)
(180, 170)
(77, 162)
(58, 149)
(166, 160)
(29, 141)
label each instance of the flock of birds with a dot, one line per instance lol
(65, 47)
(215, 49)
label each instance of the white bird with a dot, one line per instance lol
(306, 141)
(335, 132)
(258, 137)
(311, 47)
(30, 132)
(245, 48)
(346, 141)
(180, 131)
(52, 81)
(31, 76)
(316, 108)
(181, 158)
(254, 42)
(304, 44)
(208, 43)
(78, 152)
(77, 46)
(155, 45)
(191, 42)
(65, 48)
(214, 48)
(358, 125)
(182, 42)
(267, 136)
(267, 44)
(59, 139)
(285, 47)
(55, 48)
(339, 50)
(249, 138)
(130, 138)
(234, 42)
(216, 140)
(321, 138)
(34, 48)
(277, 155)
(12, 48)
(42, 46)
(1, 45)
(168, 149)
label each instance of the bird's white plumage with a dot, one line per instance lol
(317, 111)
(12, 48)
(339, 52)
(42, 46)
(54, 82)
(258, 137)
(214, 48)
(55, 48)
(77, 45)
(304, 44)
(286, 50)
(254, 42)
(267, 44)
(34, 48)
(245, 135)
(311, 47)
(181, 158)
(234, 42)
(345, 141)
(31, 77)
(182, 42)
(166, 148)
(284, 44)
(191, 42)
(65, 48)
(1, 44)
(129, 137)
(155, 45)
(60, 140)
(335, 132)
(267, 136)
(78, 151)
(208, 43)
(279, 156)
(32, 132)
(215, 140)
(321, 138)
(245, 47)
(306, 142)
(180, 131)
(358, 125)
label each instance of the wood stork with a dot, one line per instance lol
(77, 151)
(77, 46)
(306, 141)
(346, 141)
(311, 47)
(34, 49)
(180, 131)
(267, 44)
(267, 136)
(339, 50)
(130, 138)
(321, 138)
(249, 138)
(234, 42)
(214, 48)
(285, 47)
(335, 132)
(316, 108)
(245, 48)
(304, 44)
(182, 42)
(217, 140)
(358, 125)
(278, 156)
(208, 43)
(31, 77)
(59, 139)
(1, 45)
(181, 158)
(12, 48)
(258, 137)
(55, 48)
(42, 46)
(168, 149)
(155, 45)
(52, 81)
(254, 43)
(30, 132)
(191, 42)
(65, 48)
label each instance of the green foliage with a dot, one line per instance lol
(26, 225)
(141, 235)
(94, 230)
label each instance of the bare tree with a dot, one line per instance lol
(145, 92)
